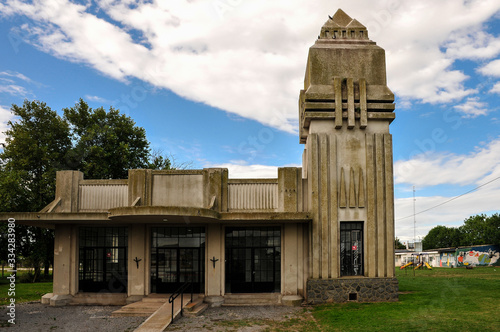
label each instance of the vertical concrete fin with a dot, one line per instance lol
(371, 226)
(324, 199)
(316, 226)
(337, 86)
(361, 193)
(333, 208)
(352, 190)
(363, 120)
(350, 103)
(342, 199)
(380, 193)
(389, 208)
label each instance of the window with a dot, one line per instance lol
(103, 259)
(351, 249)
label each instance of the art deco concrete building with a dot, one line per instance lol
(320, 233)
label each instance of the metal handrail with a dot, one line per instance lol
(180, 291)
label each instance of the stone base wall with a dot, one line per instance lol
(355, 289)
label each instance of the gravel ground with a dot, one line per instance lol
(37, 317)
(33, 317)
(241, 319)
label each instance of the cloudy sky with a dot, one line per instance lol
(216, 83)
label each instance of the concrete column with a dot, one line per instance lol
(290, 189)
(214, 249)
(137, 271)
(64, 285)
(215, 184)
(139, 187)
(290, 260)
(67, 190)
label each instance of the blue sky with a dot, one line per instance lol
(215, 83)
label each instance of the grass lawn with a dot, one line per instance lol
(440, 299)
(25, 292)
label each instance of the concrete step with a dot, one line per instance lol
(257, 299)
(195, 308)
(99, 299)
(197, 301)
(156, 298)
(196, 311)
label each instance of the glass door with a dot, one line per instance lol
(253, 259)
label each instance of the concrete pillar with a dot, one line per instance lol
(215, 251)
(67, 190)
(215, 184)
(65, 269)
(290, 259)
(139, 187)
(290, 189)
(137, 272)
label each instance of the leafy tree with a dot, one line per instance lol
(481, 229)
(159, 161)
(106, 144)
(35, 148)
(398, 244)
(101, 144)
(442, 237)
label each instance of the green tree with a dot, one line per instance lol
(106, 143)
(442, 237)
(36, 144)
(39, 142)
(398, 244)
(481, 229)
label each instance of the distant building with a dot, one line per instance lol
(323, 232)
(483, 255)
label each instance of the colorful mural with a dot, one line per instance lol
(478, 256)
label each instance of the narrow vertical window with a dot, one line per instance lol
(351, 249)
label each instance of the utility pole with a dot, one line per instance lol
(414, 220)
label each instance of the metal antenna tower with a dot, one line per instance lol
(414, 219)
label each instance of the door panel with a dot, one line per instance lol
(253, 262)
(173, 265)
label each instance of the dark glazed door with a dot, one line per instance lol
(253, 260)
(177, 256)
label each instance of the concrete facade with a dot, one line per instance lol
(326, 224)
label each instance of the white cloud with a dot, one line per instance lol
(247, 57)
(495, 88)
(243, 171)
(5, 116)
(472, 107)
(16, 75)
(97, 99)
(12, 89)
(451, 214)
(472, 45)
(447, 168)
(491, 69)
(10, 84)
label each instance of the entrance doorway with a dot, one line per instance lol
(177, 256)
(253, 259)
(103, 259)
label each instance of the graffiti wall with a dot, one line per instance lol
(478, 256)
(447, 259)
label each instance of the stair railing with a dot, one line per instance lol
(180, 292)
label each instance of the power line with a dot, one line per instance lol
(451, 199)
